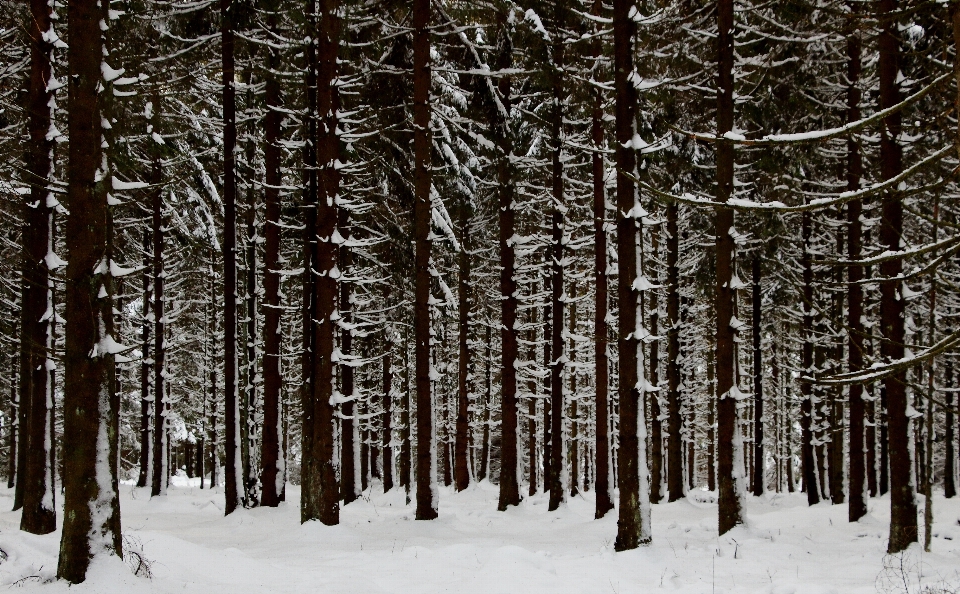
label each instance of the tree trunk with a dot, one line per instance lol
(711, 422)
(271, 456)
(633, 525)
(949, 455)
(350, 455)
(91, 413)
(232, 481)
(321, 487)
(461, 470)
(13, 435)
(657, 487)
(674, 437)
(35, 489)
(758, 458)
(388, 413)
(427, 503)
(903, 506)
(146, 419)
(807, 461)
(728, 475)
(858, 502)
(509, 450)
(158, 484)
(604, 498)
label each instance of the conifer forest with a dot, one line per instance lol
(480, 296)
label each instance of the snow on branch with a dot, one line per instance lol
(818, 135)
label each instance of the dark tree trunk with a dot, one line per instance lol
(158, 484)
(271, 456)
(858, 502)
(730, 502)
(487, 400)
(349, 428)
(547, 382)
(321, 499)
(807, 462)
(674, 423)
(91, 413)
(35, 487)
(556, 363)
(633, 527)
(387, 438)
(711, 422)
(600, 329)
(146, 428)
(461, 469)
(405, 445)
(232, 481)
(573, 449)
(427, 503)
(758, 459)
(949, 455)
(509, 450)
(903, 506)
(656, 425)
(14, 434)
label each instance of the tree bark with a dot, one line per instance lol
(857, 506)
(807, 462)
(158, 484)
(35, 489)
(509, 450)
(758, 457)
(427, 503)
(388, 413)
(674, 423)
(233, 482)
(903, 506)
(728, 476)
(461, 471)
(271, 456)
(350, 455)
(604, 498)
(633, 525)
(91, 414)
(322, 501)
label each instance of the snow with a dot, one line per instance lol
(379, 547)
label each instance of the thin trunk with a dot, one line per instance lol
(807, 458)
(350, 456)
(758, 458)
(34, 487)
(487, 400)
(427, 503)
(158, 484)
(604, 500)
(232, 481)
(509, 450)
(146, 429)
(657, 486)
(674, 437)
(858, 501)
(558, 207)
(271, 456)
(405, 445)
(387, 437)
(711, 422)
(461, 471)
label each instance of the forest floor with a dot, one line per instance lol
(786, 548)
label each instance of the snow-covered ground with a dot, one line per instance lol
(787, 548)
